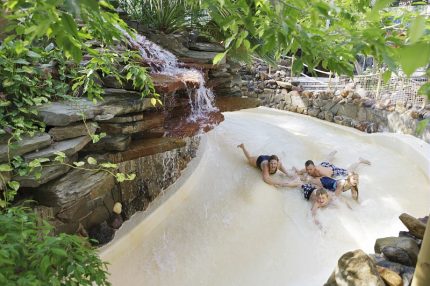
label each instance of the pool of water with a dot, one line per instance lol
(220, 224)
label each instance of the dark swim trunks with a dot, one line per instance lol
(260, 160)
(328, 183)
(307, 190)
(336, 170)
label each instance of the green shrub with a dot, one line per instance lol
(31, 255)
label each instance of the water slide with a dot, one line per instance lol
(220, 224)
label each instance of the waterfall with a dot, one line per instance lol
(164, 62)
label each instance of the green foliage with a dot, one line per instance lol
(26, 82)
(31, 255)
(168, 16)
(34, 168)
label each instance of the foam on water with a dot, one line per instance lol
(222, 225)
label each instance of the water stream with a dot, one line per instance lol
(164, 62)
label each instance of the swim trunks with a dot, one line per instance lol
(307, 190)
(336, 170)
(328, 183)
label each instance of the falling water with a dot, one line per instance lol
(164, 62)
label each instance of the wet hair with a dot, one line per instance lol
(321, 192)
(273, 157)
(309, 162)
(351, 175)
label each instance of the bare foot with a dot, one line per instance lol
(240, 145)
(364, 161)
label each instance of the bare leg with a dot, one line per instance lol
(251, 159)
(330, 156)
(355, 165)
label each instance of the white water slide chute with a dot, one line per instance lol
(220, 224)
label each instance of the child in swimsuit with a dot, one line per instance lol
(336, 186)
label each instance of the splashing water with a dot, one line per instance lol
(164, 62)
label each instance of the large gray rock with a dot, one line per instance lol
(202, 57)
(416, 227)
(115, 102)
(407, 244)
(406, 272)
(206, 47)
(66, 112)
(355, 268)
(125, 118)
(150, 121)
(48, 173)
(27, 144)
(397, 254)
(68, 147)
(70, 189)
(73, 131)
(110, 143)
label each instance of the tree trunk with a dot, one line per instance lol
(422, 270)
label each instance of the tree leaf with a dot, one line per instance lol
(414, 56)
(91, 161)
(5, 168)
(218, 58)
(79, 164)
(417, 28)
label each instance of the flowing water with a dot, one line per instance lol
(164, 62)
(220, 224)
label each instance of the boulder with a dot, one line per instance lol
(68, 147)
(72, 131)
(110, 143)
(47, 174)
(416, 227)
(27, 144)
(406, 272)
(397, 254)
(355, 268)
(115, 102)
(409, 245)
(75, 189)
(150, 121)
(206, 47)
(390, 277)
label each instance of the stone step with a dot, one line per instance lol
(110, 143)
(48, 173)
(76, 191)
(73, 131)
(150, 121)
(27, 144)
(68, 147)
(115, 102)
(146, 147)
(206, 47)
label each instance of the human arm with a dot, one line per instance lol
(290, 174)
(299, 172)
(315, 207)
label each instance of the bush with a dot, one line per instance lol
(31, 255)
